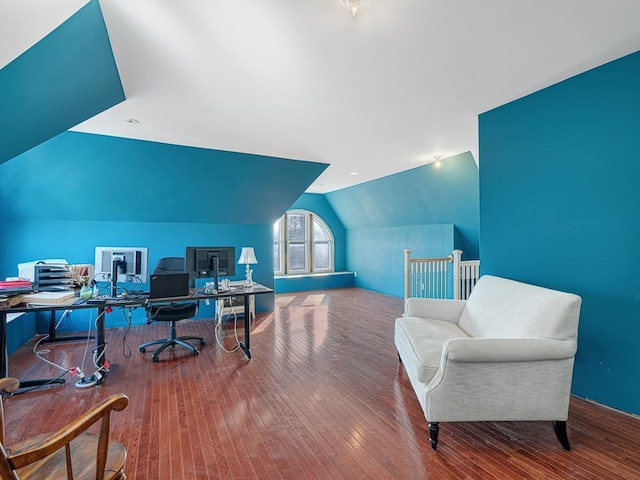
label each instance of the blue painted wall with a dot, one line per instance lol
(79, 176)
(19, 331)
(429, 210)
(324, 281)
(376, 254)
(66, 78)
(559, 203)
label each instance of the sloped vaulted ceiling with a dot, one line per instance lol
(66, 78)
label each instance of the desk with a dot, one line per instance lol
(134, 302)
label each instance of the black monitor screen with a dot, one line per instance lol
(200, 261)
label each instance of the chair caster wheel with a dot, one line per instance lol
(155, 359)
(142, 349)
(196, 352)
(202, 342)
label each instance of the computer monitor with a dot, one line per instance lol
(201, 262)
(121, 264)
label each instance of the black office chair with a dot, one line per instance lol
(171, 313)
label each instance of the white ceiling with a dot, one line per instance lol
(300, 79)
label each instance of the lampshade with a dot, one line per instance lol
(247, 256)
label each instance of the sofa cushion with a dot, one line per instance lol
(499, 307)
(419, 343)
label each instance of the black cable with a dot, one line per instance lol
(36, 387)
(125, 344)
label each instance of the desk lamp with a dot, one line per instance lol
(247, 257)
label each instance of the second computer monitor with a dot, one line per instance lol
(200, 261)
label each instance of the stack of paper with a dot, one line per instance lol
(12, 287)
(49, 298)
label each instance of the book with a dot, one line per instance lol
(14, 283)
(15, 287)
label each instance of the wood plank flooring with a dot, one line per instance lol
(323, 398)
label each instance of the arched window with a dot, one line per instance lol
(302, 243)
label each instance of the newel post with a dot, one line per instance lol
(457, 258)
(407, 262)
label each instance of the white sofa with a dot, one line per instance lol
(506, 353)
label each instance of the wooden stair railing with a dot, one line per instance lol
(430, 277)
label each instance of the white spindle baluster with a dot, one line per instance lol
(429, 277)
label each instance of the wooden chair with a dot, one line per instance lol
(71, 453)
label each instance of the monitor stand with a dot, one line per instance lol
(114, 277)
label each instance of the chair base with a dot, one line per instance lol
(172, 341)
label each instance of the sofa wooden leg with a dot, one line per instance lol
(433, 434)
(560, 428)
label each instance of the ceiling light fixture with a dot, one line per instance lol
(437, 163)
(132, 121)
(353, 5)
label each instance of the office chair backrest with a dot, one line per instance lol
(170, 265)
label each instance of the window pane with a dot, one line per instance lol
(319, 233)
(276, 257)
(321, 256)
(277, 232)
(296, 228)
(297, 257)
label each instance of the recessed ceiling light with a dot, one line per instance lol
(132, 121)
(353, 173)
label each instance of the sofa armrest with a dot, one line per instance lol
(435, 308)
(501, 379)
(479, 350)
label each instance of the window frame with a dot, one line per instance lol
(282, 244)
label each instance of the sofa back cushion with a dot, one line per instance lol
(499, 307)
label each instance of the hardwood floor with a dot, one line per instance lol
(323, 398)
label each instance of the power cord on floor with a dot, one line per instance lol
(218, 327)
(126, 349)
(78, 371)
(39, 352)
(83, 381)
